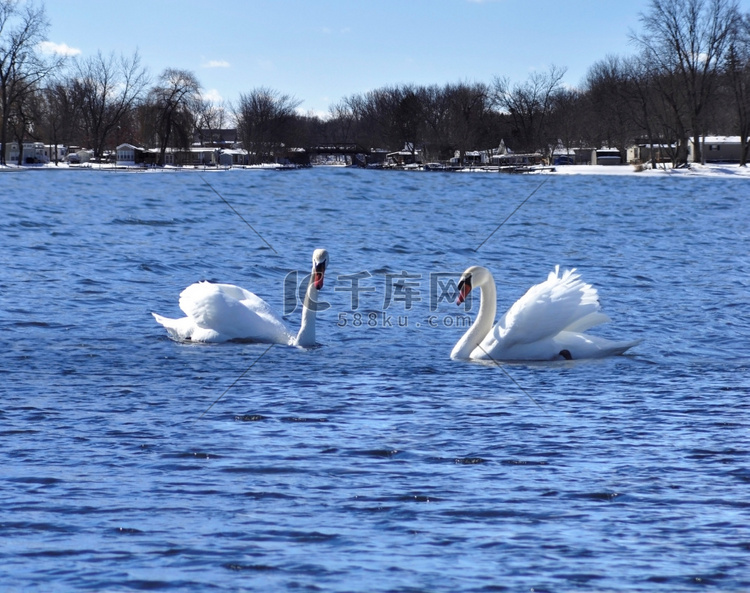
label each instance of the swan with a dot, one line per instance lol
(221, 312)
(544, 324)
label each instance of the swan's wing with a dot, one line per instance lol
(253, 302)
(587, 322)
(233, 312)
(560, 302)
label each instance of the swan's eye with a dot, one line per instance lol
(321, 267)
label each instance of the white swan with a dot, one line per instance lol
(222, 312)
(544, 324)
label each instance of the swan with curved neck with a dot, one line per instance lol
(306, 335)
(223, 312)
(546, 323)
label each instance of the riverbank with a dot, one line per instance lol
(695, 170)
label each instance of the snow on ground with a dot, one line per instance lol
(695, 170)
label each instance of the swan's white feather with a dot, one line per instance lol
(232, 313)
(547, 309)
(222, 312)
(587, 322)
(185, 329)
(547, 320)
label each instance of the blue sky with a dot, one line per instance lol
(321, 51)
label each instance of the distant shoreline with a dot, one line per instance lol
(694, 171)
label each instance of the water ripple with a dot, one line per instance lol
(373, 461)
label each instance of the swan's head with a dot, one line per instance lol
(473, 276)
(319, 262)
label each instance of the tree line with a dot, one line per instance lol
(689, 76)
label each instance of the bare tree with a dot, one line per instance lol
(263, 118)
(688, 39)
(59, 116)
(567, 118)
(436, 114)
(370, 130)
(106, 89)
(468, 111)
(25, 113)
(211, 117)
(529, 105)
(396, 112)
(613, 103)
(381, 109)
(174, 104)
(642, 109)
(737, 73)
(378, 107)
(408, 119)
(440, 119)
(22, 27)
(343, 121)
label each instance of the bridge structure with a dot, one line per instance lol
(344, 153)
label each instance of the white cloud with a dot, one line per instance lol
(212, 95)
(216, 64)
(62, 49)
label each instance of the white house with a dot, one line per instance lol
(32, 153)
(55, 152)
(471, 157)
(232, 156)
(641, 153)
(129, 155)
(125, 155)
(406, 156)
(606, 156)
(718, 149)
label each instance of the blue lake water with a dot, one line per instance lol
(373, 462)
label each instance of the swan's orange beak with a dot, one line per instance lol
(318, 275)
(464, 288)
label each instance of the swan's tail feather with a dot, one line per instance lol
(171, 325)
(183, 330)
(622, 347)
(165, 321)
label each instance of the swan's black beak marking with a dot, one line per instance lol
(320, 270)
(565, 353)
(464, 288)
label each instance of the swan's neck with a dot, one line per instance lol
(306, 336)
(482, 324)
